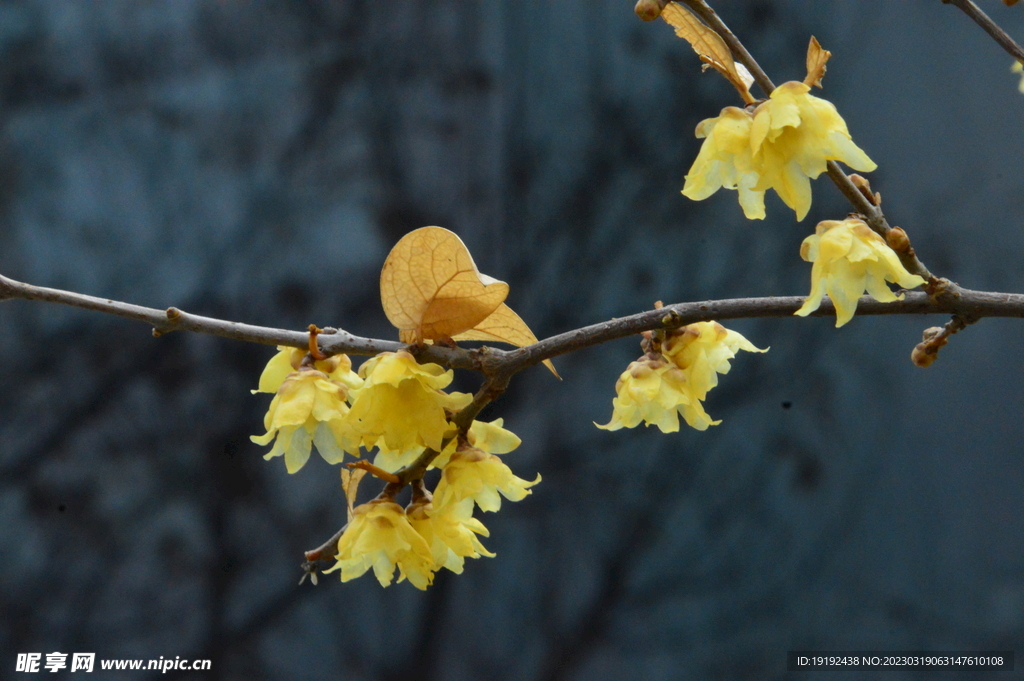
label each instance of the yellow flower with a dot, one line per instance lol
(401, 403)
(337, 367)
(490, 437)
(726, 160)
(655, 391)
(658, 388)
(702, 351)
(393, 459)
(308, 408)
(850, 259)
(784, 142)
(472, 473)
(1018, 68)
(451, 532)
(793, 137)
(380, 536)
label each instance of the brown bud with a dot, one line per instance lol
(864, 187)
(923, 355)
(649, 10)
(898, 240)
(860, 182)
(927, 351)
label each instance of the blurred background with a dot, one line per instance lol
(256, 160)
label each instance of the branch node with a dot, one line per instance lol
(864, 187)
(672, 320)
(173, 314)
(940, 288)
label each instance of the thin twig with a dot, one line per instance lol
(739, 52)
(991, 27)
(331, 341)
(327, 550)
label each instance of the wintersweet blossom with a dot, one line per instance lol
(702, 351)
(451, 532)
(794, 136)
(1018, 68)
(655, 391)
(849, 259)
(780, 145)
(490, 437)
(337, 367)
(726, 160)
(393, 459)
(401, 403)
(472, 473)
(309, 408)
(660, 387)
(380, 536)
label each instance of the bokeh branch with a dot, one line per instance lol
(990, 27)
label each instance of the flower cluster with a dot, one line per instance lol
(850, 259)
(434, 531)
(661, 386)
(782, 144)
(393, 402)
(400, 407)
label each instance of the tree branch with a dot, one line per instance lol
(500, 365)
(331, 341)
(968, 304)
(991, 27)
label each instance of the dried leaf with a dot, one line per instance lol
(816, 59)
(431, 289)
(350, 478)
(1010, 3)
(707, 44)
(745, 75)
(504, 326)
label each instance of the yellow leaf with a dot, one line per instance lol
(707, 44)
(505, 326)
(350, 485)
(816, 59)
(431, 289)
